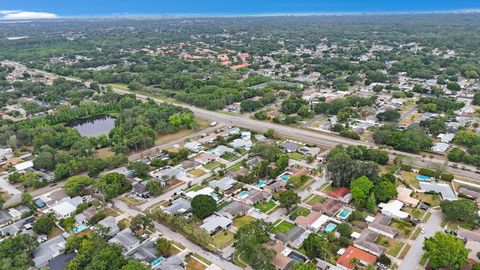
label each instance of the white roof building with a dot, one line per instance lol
(23, 166)
(193, 146)
(203, 191)
(446, 138)
(214, 223)
(393, 209)
(6, 153)
(440, 147)
(67, 207)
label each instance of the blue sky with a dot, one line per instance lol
(68, 8)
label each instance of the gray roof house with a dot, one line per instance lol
(146, 252)
(167, 174)
(257, 196)
(48, 250)
(214, 223)
(380, 225)
(111, 223)
(366, 242)
(294, 237)
(172, 263)
(223, 184)
(126, 239)
(289, 147)
(180, 205)
(235, 209)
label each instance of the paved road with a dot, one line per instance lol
(409, 111)
(327, 140)
(168, 233)
(410, 262)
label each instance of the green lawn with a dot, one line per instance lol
(223, 239)
(230, 156)
(282, 227)
(392, 246)
(423, 260)
(416, 233)
(410, 178)
(427, 217)
(404, 251)
(237, 260)
(265, 206)
(242, 221)
(120, 86)
(415, 212)
(194, 188)
(433, 200)
(212, 165)
(296, 156)
(314, 199)
(235, 167)
(300, 212)
(221, 205)
(404, 228)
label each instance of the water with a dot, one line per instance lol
(261, 184)
(423, 178)
(243, 194)
(344, 214)
(80, 228)
(330, 227)
(94, 127)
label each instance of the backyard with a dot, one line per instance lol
(314, 199)
(392, 246)
(432, 199)
(299, 212)
(265, 207)
(282, 226)
(242, 221)
(410, 178)
(223, 239)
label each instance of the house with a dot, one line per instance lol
(66, 207)
(253, 161)
(281, 261)
(23, 225)
(147, 252)
(444, 189)
(366, 242)
(167, 174)
(329, 207)
(241, 143)
(323, 265)
(221, 149)
(259, 137)
(111, 223)
(21, 167)
(205, 158)
(179, 205)
(309, 151)
(306, 221)
(403, 195)
(393, 209)
(440, 147)
(86, 215)
(275, 186)
(60, 262)
(446, 138)
(173, 263)
(294, 237)
(6, 153)
(223, 184)
(235, 209)
(345, 260)
(380, 225)
(193, 146)
(214, 223)
(48, 250)
(204, 191)
(126, 239)
(289, 147)
(188, 165)
(257, 196)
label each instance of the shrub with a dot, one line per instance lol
(447, 177)
(427, 172)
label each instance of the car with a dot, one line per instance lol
(212, 124)
(423, 230)
(423, 206)
(52, 185)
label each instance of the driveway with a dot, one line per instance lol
(410, 262)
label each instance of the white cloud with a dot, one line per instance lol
(25, 15)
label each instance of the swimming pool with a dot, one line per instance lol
(330, 227)
(285, 177)
(423, 178)
(157, 261)
(261, 184)
(243, 194)
(344, 214)
(80, 228)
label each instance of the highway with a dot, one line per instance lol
(326, 140)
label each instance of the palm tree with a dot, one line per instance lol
(355, 263)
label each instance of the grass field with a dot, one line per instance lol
(433, 200)
(296, 156)
(104, 153)
(404, 251)
(415, 212)
(265, 206)
(242, 221)
(300, 212)
(194, 188)
(404, 228)
(237, 260)
(223, 239)
(212, 165)
(410, 178)
(282, 227)
(416, 233)
(314, 199)
(197, 172)
(193, 264)
(120, 86)
(392, 246)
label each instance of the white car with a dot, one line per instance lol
(423, 230)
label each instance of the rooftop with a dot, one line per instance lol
(354, 253)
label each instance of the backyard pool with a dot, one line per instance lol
(285, 177)
(261, 184)
(157, 261)
(344, 214)
(330, 227)
(243, 194)
(423, 178)
(79, 228)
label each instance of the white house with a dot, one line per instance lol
(6, 153)
(193, 146)
(393, 209)
(20, 167)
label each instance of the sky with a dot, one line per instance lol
(43, 9)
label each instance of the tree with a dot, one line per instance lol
(303, 266)
(360, 189)
(112, 185)
(44, 224)
(135, 265)
(61, 171)
(154, 186)
(26, 198)
(139, 169)
(270, 133)
(460, 210)
(385, 191)
(15, 250)
(456, 155)
(141, 222)
(288, 199)
(164, 247)
(249, 240)
(445, 250)
(267, 151)
(203, 206)
(476, 98)
(344, 229)
(95, 253)
(315, 246)
(371, 203)
(389, 116)
(76, 185)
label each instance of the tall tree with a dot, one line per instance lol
(445, 250)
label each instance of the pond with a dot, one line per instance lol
(94, 127)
